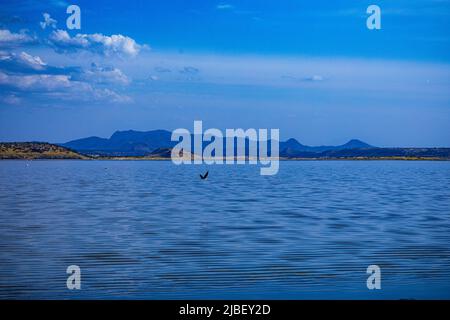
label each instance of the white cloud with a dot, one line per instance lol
(44, 82)
(48, 21)
(8, 38)
(115, 44)
(33, 62)
(24, 63)
(61, 86)
(109, 95)
(104, 75)
(24, 74)
(314, 78)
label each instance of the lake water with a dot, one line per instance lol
(153, 230)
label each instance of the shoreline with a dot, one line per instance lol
(48, 151)
(280, 159)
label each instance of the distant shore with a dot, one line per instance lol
(48, 151)
(169, 159)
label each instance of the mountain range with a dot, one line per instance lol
(157, 144)
(138, 143)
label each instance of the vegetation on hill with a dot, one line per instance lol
(36, 150)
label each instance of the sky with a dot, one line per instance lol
(309, 68)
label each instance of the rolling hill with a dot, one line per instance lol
(36, 150)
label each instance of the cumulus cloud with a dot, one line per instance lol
(98, 43)
(11, 39)
(20, 62)
(60, 86)
(44, 82)
(24, 74)
(109, 95)
(25, 63)
(103, 75)
(33, 62)
(48, 21)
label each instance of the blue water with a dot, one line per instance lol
(153, 230)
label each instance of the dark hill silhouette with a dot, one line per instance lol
(138, 143)
(124, 143)
(157, 143)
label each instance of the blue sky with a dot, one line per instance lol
(310, 68)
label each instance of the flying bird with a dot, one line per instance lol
(204, 176)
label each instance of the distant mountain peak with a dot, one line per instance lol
(292, 143)
(356, 143)
(292, 140)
